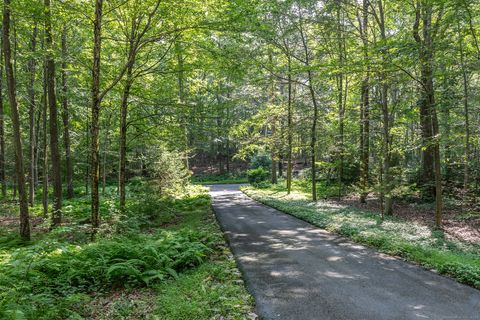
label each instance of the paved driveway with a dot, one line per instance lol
(297, 271)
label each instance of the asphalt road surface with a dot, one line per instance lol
(297, 271)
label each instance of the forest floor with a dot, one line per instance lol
(412, 240)
(458, 223)
(165, 258)
(298, 271)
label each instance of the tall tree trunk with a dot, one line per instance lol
(31, 115)
(87, 165)
(387, 186)
(3, 181)
(181, 97)
(66, 117)
(17, 139)
(104, 160)
(466, 111)
(289, 129)
(37, 143)
(429, 120)
(97, 46)
(45, 145)
(123, 130)
(386, 183)
(341, 106)
(313, 138)
(427, 175)
(313, 131)
(365, 109)
(53, 113)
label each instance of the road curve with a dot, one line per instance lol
(297, 271)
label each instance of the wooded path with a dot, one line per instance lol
(297, 271)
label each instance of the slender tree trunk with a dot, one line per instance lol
(87, 165)
(31, 116)
(2, 133)
(274, 171)
(365, 110)
(104, 161)
(66, 117)
(341, 106)
(227, 154)
(97, 45)
(313, 139)
(289, 129)
(53, 112)
(274, 175)
(466, 111)
(123, 131)
(313, 131)
(45, 145)
(181, 97)
(37, 143)
(17, 139)
(386, 185)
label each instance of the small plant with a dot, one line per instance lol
(258, 175)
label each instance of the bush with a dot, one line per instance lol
(261, 160)
(257, 175)
(168, 170)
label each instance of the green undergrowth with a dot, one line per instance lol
(159, 242)
(220, 179)
(411, 241)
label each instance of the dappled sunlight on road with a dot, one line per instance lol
(289, 263)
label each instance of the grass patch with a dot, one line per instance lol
(212, 291)
(411, 241)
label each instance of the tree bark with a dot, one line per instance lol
(313, 131)
(431, 165)
(53, 113)
(66, 117)
(289, 129)
(97, 45)
(365, 109)
(31, 116)
(45, 145)
(2, 133)
(466, 111)
(181, 97)
(123, 129)
(341, 105)
(17, 139)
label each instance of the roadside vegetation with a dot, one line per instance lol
(164, 258)
(226, 178)
(409, 240)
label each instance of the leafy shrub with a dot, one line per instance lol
(257, 175)
(261, 160)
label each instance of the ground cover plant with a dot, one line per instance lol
(158, 241)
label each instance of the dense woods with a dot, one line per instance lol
(385, 90)
(372, 99)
